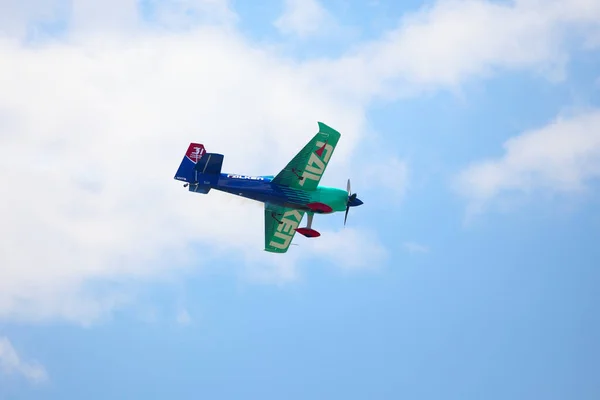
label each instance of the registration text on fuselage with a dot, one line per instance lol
(252, 178)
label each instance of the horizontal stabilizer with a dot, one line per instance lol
(199, 188)
(199, 169)
(210, 163)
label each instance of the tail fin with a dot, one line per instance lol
(193, 154)
(199, 169)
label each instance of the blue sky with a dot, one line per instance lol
(470, 129)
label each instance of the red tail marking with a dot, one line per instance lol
(195, 152)
(321, 150)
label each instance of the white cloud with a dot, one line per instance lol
(453, 41)
(93, 131)
(414, 247)
(188, 13)
(94, 126)
(302, 17)
(11, 363)
(91, 15)
(17, 17)
(17, 14)
(561, 157)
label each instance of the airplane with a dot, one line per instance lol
(287, 196)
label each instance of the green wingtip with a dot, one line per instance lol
(324, 128)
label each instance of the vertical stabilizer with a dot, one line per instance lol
(194, 153)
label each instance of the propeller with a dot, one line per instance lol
(353, 201)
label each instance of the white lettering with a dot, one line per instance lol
(196, 154)
(307, 175)
(253, 178)
(286, 241)
(316, 165)
(285, 230)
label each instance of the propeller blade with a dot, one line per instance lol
(352, 199)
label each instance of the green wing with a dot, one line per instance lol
(306, 169)
(278, 236)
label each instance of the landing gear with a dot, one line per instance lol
(308, 231)
(320, 208)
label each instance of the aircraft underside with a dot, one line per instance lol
(274, 195)
(287, 196)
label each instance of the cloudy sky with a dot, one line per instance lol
(470, 129)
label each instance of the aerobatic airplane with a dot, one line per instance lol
(287, 196)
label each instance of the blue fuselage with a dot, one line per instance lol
(261, 188)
